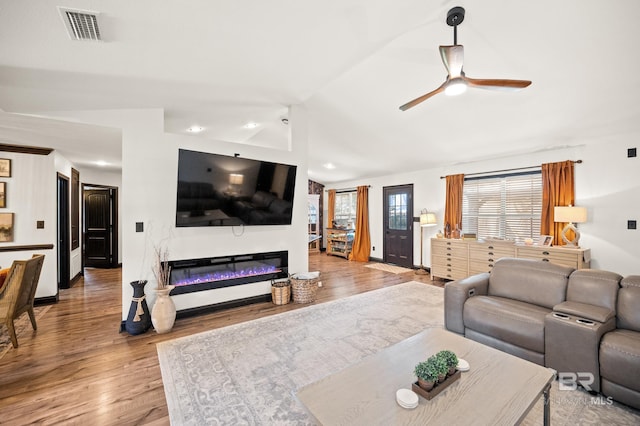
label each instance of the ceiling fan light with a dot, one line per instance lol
(455, 88)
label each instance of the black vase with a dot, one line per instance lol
(139, 318)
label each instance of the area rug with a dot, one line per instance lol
(388, 268)
(247, 373)
(22, 326)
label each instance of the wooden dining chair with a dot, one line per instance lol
(18, 292)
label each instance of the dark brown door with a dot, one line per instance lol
(97, 228)
(398, 225)
(64, 254)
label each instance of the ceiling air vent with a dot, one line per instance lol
(81, 24)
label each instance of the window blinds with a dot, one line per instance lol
(506, 206)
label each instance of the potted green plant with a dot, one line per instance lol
(450, 359)
(441, 367)
(427, 374)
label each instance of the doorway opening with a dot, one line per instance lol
(63, 232)
(99, 226)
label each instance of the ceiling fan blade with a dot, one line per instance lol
(422, 98)
(453, 57)
(497, 84)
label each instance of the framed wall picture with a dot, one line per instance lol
(5, 167)
(3, 194)
(6, 227)
(545, 240)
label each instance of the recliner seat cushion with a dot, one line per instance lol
(594, 287)
(629, 307)
(515, 322)
(532, 281)
(620, 358)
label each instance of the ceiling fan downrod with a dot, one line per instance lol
(455, 16)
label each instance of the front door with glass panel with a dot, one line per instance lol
(398, 225)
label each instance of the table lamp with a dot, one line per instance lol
(570, 215)
(426, 219)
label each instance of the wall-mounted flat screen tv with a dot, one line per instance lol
(222, 190)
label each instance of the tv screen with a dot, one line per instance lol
(221, 190)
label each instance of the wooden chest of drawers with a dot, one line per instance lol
(449, 258)
(455, 259)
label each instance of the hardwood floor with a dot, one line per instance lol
(78, 369)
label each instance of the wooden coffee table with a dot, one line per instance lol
(498, 389)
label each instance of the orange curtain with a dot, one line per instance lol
(453, 206)
(362, 240)
(557, 190)
(331, 208)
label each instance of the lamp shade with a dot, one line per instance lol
(427, 219)
(569, 214)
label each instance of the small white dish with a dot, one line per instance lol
(463, 365)
(407, 398)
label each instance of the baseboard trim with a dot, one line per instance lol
(201, 310)
(75, 279)
(375, 259)
(49, 300)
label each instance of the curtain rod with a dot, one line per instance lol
(347, 189)
(505, 170)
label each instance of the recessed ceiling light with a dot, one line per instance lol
(195, 129)
(329, 166)
(251, 125)
(101, 163)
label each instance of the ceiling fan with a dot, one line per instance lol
(457, 82)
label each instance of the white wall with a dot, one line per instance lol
(149, 182)
(607, 183)
(31, 196)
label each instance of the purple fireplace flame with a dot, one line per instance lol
(224, 271)
(228, 275)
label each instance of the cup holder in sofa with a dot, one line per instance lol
(561, 316)
(585, 322)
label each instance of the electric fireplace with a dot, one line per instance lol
(225, 271)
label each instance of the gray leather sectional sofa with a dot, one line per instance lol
(582, 323)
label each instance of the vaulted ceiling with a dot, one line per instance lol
(221, 64)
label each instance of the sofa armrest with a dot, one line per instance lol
(586, 311)
(456, 294)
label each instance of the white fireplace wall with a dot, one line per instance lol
(148, 195)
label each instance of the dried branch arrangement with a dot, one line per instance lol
(161, 268)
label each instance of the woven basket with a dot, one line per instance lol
(280, 292)
(304, 291)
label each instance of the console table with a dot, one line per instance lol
(455, 259)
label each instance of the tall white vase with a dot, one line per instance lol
(163, 314)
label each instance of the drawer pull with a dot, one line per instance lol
(490, 253)
(490, 265)
(448, 264)
(449, 269)
(546, 253)
(491, 260)
(449, 248)
(561, 316)
(545, 260)
(490, 247)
